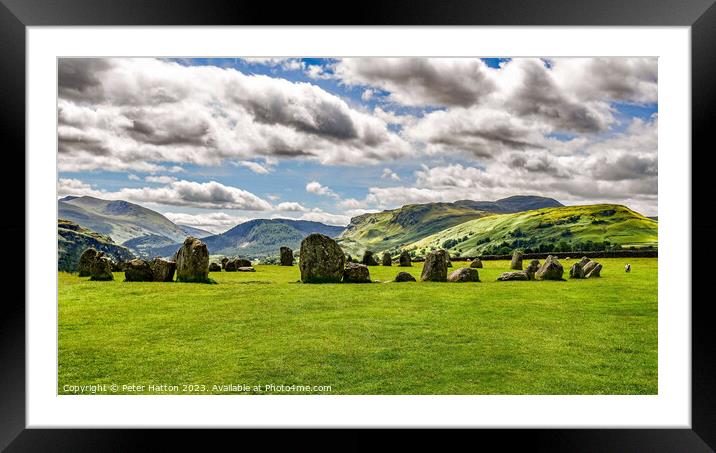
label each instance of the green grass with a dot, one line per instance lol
(614, 223)
(595, 336)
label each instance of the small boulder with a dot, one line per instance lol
(405, 259)
(137, 270)
(101, 269)
(230, 266)
(213, 267)
(321, 259)
(192, 261)
(583, 262)
(464, 274)
(356, 273)
(435, 267)
(532, 269)
(588, 266)
(286, 256)
(369, 259)
(118, 266)
(85, 263)
(242, 262)
(576, 271)
(224, 260)
(516, 263)
(594, 272)
(245, 269)
(386, 259)
(551, 269)
(515, 275)
(404, 277)
(163, 270)
(476, 263)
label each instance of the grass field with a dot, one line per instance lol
(596, 336)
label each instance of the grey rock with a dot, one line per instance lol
(321, 260)
(192, 261)
(435, 267)
(356, 273)
(464, 274)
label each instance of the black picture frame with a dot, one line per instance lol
(16, 15)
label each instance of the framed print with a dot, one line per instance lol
(470, 222)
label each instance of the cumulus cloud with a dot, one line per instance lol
(160, 179)
(134, 114)
(254, 167)
(390, 174)
(290, 206)
(317, 188)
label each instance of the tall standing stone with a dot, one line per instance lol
(516, 263)
(405, 259)
(224, 260)
(386, 259)
(435, 267)
(192, 261)
(85, 263)
(321, 260)
(369, 259)
(286, 256)
(576, 271)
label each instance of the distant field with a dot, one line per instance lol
(574, 337)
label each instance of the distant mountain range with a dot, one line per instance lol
(259, 238)
(465, 226)
(395, 228)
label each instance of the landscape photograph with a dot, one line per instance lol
(357, 226)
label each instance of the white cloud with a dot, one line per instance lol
(254, 166)
(315, 187)
(290, 206)
(133, 177)
(390, 174)
(71, 186)
(367, 95)
(134, 114)
(160, 179)
(214, 222)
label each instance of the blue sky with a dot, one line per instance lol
(213, 142)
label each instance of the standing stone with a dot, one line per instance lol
(386, 260)
(516, 263)
(137, 270)
(369, 259)
(404, 277)
(213, 267)
(435, 267)
(509, 276)
(85, 263)
(224, 260)
(321, 260)
(230, 266)
(163, 270)
(476, 263)
(594, 271)
(246, 269)
(464, 274)
(588, 266)
(405, 259)
(551, 269)
(101, 269)
(576, 271)
(242, 262)
(356, 273)
(286, 256)
(583, 262)
(118, 266)
(193, 261)
(532, 269)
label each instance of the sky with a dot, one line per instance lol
(215, 142)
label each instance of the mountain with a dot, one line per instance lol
(545, 229)
(389, 230)
(118, 219)
(194, 231)
(257, 238)
(73, 240)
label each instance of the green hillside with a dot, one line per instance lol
(391, 230)
(73, 240)
(549, 229)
